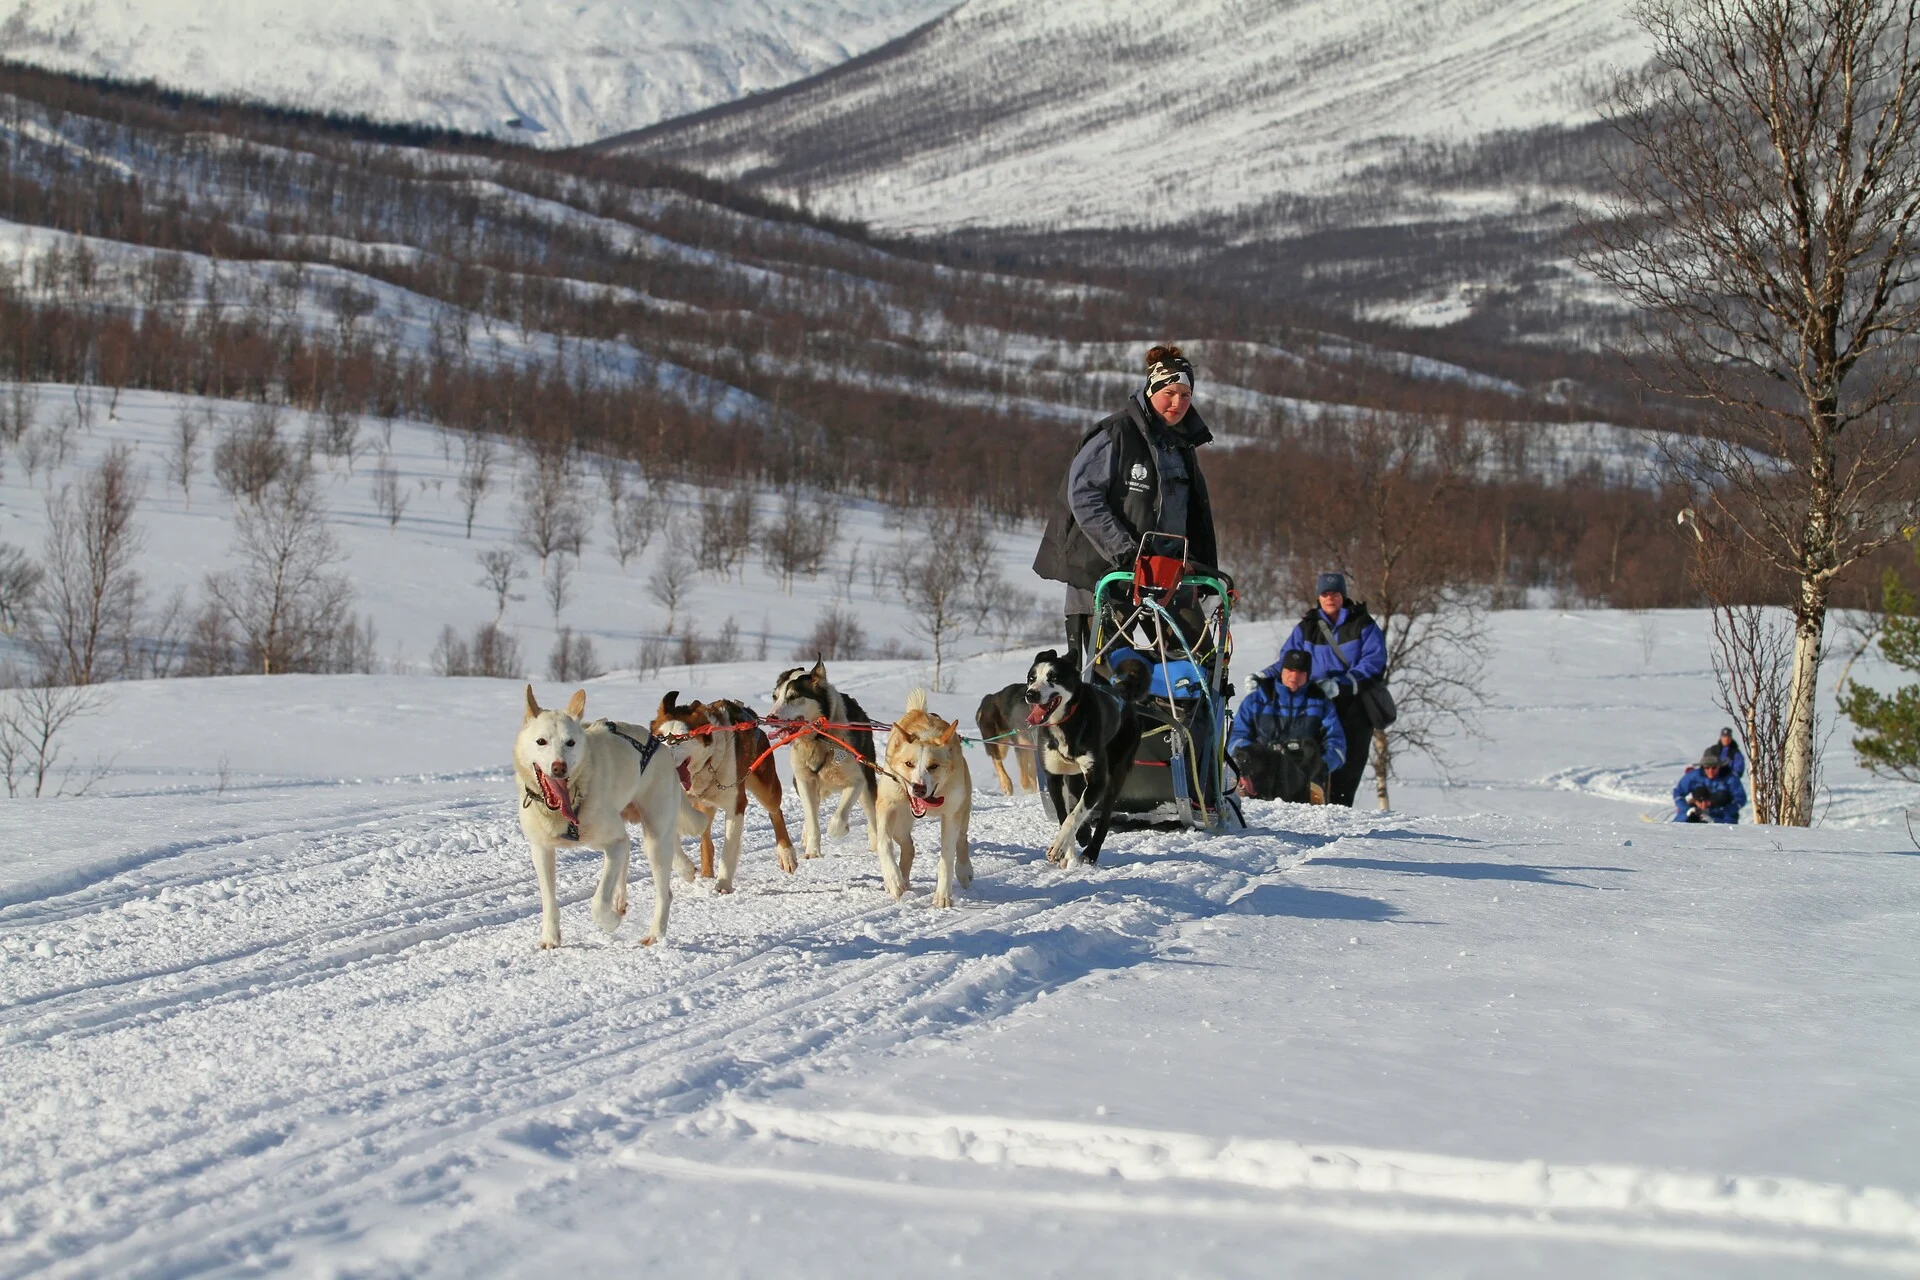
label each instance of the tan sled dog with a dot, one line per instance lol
(580, 785)
(926, 773)
(720, 775)
(824, 764)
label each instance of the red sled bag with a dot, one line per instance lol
(1159, 566)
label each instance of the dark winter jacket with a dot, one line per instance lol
(1271, 714)
(1729, 796)
(1133, 474)
(1359, 638)
(1732, 759)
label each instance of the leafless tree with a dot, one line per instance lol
(499, 571)
(638, 518)
(33, 716)
(797, 539)
(726, 530)
(672, 578)
(340, 430)
(1767, 234)
(476, 473)
(19, 585)
(549, 518)
(90, 596)
(936, 573)
(837, 637)
(252, 457)
(559, 583)
(284, 601)
(389, 495)
(572, 658)
(184, 458)
(496, 653)
(18, 411)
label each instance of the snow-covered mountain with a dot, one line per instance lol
(557, 72)
(1082, 113)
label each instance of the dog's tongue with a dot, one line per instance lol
(1040, 712)
(553, 794)
(921, 806)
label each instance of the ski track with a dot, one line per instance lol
(142, 997)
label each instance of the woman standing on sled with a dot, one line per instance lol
(1135, 472)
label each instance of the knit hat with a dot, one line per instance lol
(1166, 366)
(1726, 731)
(1296, 660)
(1330, 582)
(1711, 759)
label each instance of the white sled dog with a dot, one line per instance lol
(580, 785)
(926, 773)
(818, 762)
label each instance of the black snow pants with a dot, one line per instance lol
(1359, 730)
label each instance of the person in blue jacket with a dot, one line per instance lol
(1337, 624)
(1726, 795)
(1732, 759)
(1284, 711)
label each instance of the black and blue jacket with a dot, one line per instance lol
(1271, 714)
(1359, 638)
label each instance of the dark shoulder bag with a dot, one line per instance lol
(1376, 699)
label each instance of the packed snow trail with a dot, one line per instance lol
(225, 1041)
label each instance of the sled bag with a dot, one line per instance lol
(1160, 566)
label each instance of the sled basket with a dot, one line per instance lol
(1159, 567)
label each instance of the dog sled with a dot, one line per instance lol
(1176, 619)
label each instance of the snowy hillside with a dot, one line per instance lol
(553, 73)
(1079, 113)
(277, 1006)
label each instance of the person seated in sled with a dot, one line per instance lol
(1286, 736)
(1136, 471)
(1726, 795)
(1732, 759)
(1349, 653)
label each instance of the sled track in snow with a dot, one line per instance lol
(419, 1032)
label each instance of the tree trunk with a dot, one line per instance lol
(1796, 776)
(1382, 766)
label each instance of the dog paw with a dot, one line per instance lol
(723, 886)
(942, 899)
(788, 863)
(811, 853)
(648, 941)
(963, 872)
(684, 865)
(606, 917)
(548, 944)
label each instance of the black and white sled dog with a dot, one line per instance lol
(821, 764)
(1088, 736)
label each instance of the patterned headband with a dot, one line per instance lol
(1164, 373)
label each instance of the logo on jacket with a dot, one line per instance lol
(1137, 480)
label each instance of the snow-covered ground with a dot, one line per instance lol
(270, 999)
(542, 71)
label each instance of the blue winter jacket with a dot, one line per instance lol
(1732, 758)
(1360, 639)
(1729, 797)
(1272, 713)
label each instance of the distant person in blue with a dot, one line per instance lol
(1332, 630)
(1725, 796)
(1731, 757)
(1286, 735)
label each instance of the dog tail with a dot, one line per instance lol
(917, 700)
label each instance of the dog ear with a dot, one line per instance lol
(666, 703)
(1046, 655)
(819, 667)
(953, 727)
(577, 704)
(533, 706)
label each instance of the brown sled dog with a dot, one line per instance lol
(720, 774)
(1002, 718)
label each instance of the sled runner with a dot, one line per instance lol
(1175, 617)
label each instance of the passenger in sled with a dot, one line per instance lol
(1286, 737)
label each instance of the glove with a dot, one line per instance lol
(1330, 686)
